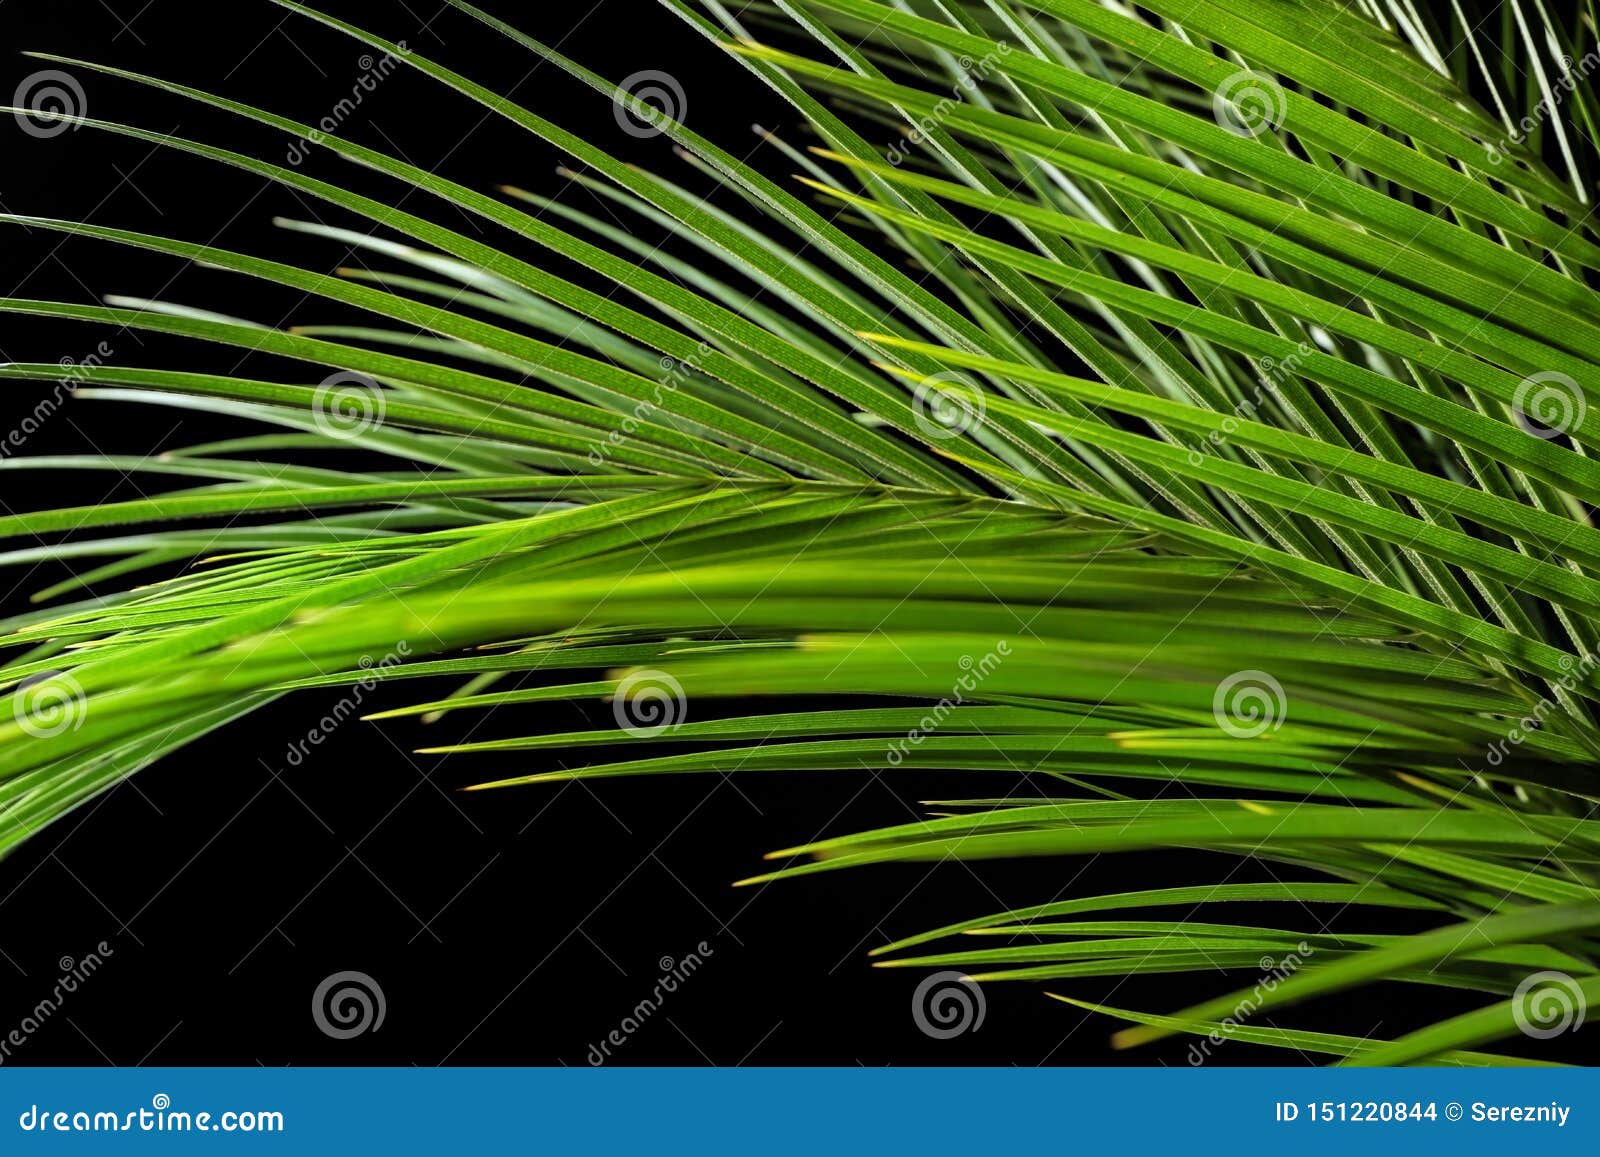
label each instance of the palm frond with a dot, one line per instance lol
(1230, 432)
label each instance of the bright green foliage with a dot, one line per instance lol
(1134, 406)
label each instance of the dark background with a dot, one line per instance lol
(511, 927)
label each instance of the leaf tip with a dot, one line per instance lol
(1128, 1038)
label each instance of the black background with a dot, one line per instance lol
(511, 927)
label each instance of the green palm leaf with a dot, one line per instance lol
(1247, 454)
